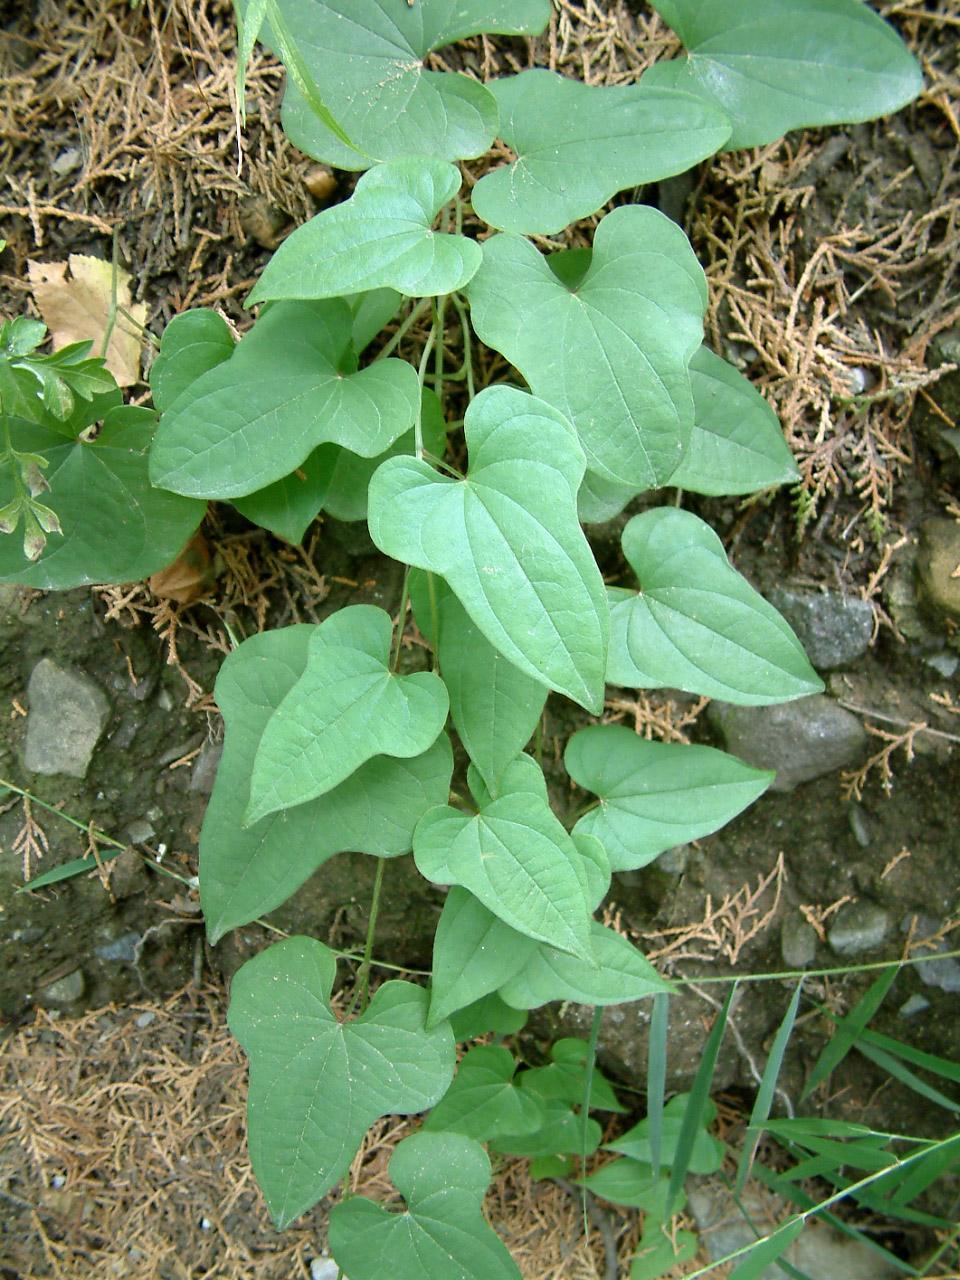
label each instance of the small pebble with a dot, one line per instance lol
(67, 161)
(57, 1181)
(859, 825)
(206, 1224)
(321, 183)
(916, 1004)
(323, 1268)
(144, 1019)
(945, 663)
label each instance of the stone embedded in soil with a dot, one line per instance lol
(68, 713)
(798, 942)
(834, 629)
(205, 767)
(913, 1005)
(819, 1252)
(938, 567)
(64, 991)
(859, 927)
(802, 740)
(943, 973)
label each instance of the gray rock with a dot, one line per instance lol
(122, 949)
(945, 973)
(802, 740)
(859, 825)
(139, 831)
(819, 1252)
(674, 861)
(944, 663)
(860, 926)
(798, 942)
(938, 558)
(205, 767)
(834, 629)
(66, 990)
(913, 1005)
(68, 713)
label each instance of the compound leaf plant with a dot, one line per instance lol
(332, 744)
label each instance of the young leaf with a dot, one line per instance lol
(849, 1029)
(367, 56)
(507, 539)
(562, 1131)
(192, 343)
(609, 349)
(346, 708)
(474, 953)
(247, 871)
(737, 445)
(631, 1183)
(776, 65)
(696, 624)
(443, 1178)
(617, 973)
(380, 238)
(565, 1077)
(768, 1249)
(290, 385)
(115, 527)
(654, 795)
(484, 1101)
(518, 860)
(316, 1084)
(578, 145)
(660, 1251)
(494, 705)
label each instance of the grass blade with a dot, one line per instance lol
(929, 1061)
(890, 1064)
(768, 1083)
(657, 1075)
(848, 1030)
(766, 1250)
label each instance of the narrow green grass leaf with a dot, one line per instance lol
(767, 1250)
(768, 1083)
(848, 1030)
(929, 1061)
(657, 1075)
(895, 1068)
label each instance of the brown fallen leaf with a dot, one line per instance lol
(189, 577)
(75, 308)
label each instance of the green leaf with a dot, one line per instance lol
(776, 65)
(542, 1167)
(507, 539)
(247, 871)
(346, 708)
(616, 973)
(760, 1114)
(495, 707)
(737, 445)
(316, 1084)
(631, 1183)
(334, 480)
(849, 1029)
(474, 953)
(367, 56)
(706, 1154)
(609, 350)
(577, 145)
(767, 1250)
(486, 1015)
(371, 311)
(600, 500)
(484, 1101)
(443, 1178)
(565, 1077)
(517, 859)
(563, 1132)
(193, 343)
(655, 795)
(250, 19)
(115, 526)
(290, 385)
(659, 1253)
(695, 623)
(380, 238)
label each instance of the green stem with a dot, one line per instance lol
(363, 976)
(780, 975)
(404, 328)
(401, 620)
(114, 280)
(585, 1109)
(464, 318)
(100, 836)
(438, 313)
(422, 375)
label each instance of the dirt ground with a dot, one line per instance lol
(834, 264)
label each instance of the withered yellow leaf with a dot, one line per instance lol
(73, 298)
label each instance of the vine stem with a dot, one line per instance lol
(464, 318)
(401, 620)
(404, 329)
(362, 990)
(585, 1108)
(422, 375)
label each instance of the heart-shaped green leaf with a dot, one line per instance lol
(346, 708)
(115, 526)
(654, 795)
(608, 343)
(484, 1101)
(775, 65)
(247, 871)
(507, 539)
(517, 859)
(565, 1077)
(615, 973)
(334, 480)
(192, 343)
(317, 1084)
(442, 1234)
(631, 1183)
(577, 145)
(737, 445)
(380, 238)
(562, 1132)
(474, 953)
(495, 706)
(290, 385)
(695, 623)
(707, 1154)
(367, 56)
(487, 1014)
